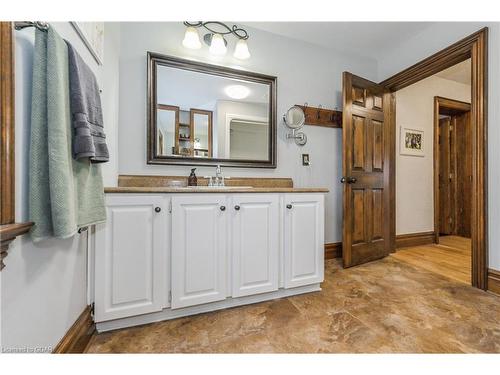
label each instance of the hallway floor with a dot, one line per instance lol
(451, 257)
(386, 306)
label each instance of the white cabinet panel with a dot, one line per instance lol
(199, 267)
(130, 257)
(304, 239)
(255, 244)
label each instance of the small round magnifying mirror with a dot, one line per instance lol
(294, 118)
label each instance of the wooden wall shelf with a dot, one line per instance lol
(328, 118)
(8, 233)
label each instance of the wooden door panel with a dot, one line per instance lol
(377, 214)
(367, 135)
(378, 146)
(358, 141)
(358, 210)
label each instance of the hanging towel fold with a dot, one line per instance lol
(89, 140)
(64, 194)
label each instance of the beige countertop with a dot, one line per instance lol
(206, 189)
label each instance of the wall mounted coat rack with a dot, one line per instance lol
(318, 116)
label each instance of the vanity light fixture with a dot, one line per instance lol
(191, 38)
(216, 38)
(237, 91)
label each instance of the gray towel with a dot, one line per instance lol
(64, 194)
(89, 140)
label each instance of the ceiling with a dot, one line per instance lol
(368, 39)
(459, 73)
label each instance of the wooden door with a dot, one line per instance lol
(199, 267)
(447, 178)
(455, 174)
(304, 239)
(131, 256)
(255, 244)
(368, 142)
(464, 174)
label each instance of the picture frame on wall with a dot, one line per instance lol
(92, 35)
(411, 142)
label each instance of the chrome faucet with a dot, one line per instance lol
(218, 180)
(219, 177)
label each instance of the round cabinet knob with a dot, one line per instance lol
(289, 206)
(157, 209)
(237, 208)
(223, 208)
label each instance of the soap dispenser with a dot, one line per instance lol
(192, 180)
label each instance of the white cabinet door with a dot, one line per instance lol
(255, 244)
(199, 267)
(130, 257)
(304, 239)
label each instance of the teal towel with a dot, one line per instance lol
(64, 194)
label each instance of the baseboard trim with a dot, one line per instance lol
(494, 281)
(78, 336)
(414, 239)
(333, 250)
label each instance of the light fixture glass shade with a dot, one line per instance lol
(237, 91)
(241, 50)
(218, 45)
(191, 38)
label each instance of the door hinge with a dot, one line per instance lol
(170, 206)
(170, 296)
(92, 308)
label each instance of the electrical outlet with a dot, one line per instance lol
(305, 160)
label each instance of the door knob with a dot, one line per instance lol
(289, 206)
(223, 208)
(349, 180)
(237, 208)
(157, 209)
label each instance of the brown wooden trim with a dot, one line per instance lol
(8, 233)
(7, 146)
(156, 59)
(494, 281)
(474, 47)
(78, 336)
(451, 106)
(333, 250)
(210, 115)
(454, 54)
(414, 239)
(328, 118)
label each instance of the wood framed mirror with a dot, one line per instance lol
(202, 114)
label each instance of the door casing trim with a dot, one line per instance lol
(475, 47)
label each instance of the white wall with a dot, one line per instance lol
(227, 107)
(306, 73)
(433, 39)
(44, 285)
(414, 175)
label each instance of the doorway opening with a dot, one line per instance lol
(367, 106)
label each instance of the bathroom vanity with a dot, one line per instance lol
(171, 252)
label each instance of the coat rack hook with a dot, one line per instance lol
(319, 110)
